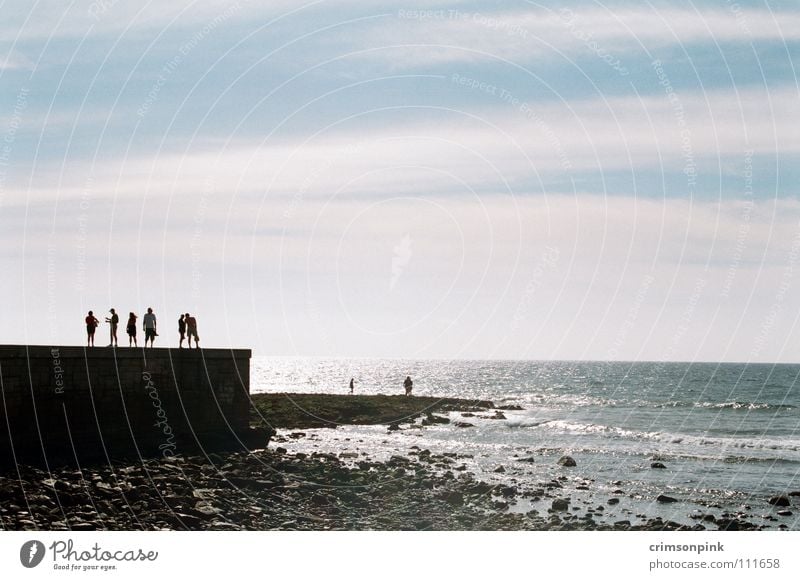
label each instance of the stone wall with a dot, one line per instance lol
(62, 403)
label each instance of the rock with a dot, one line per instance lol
(454, 498)
(497, 415)
(560, 505)
(500, 469)
(394, 427)
(613, 501)
(462, 424)
(780, 501)
(510, 408)
(527, 460)
(794, 493)
(280, 450)
(432, 419)
(567, 461)
(785, 513)
(666, 499)
(657, 465)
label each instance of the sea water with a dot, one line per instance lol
(728, 434)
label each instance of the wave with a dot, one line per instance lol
(735, 405)
(677, 439)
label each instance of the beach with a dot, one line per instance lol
(298, 483)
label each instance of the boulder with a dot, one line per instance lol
(567, 461)
(462, 424)
(527, 460)
(560, 505)
(665, 499)
(500, 469)
(613, 501)
(780, 501)
(657, 465)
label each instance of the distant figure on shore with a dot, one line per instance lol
(352, 383)
(408, 384)
(182, 329)
(91, 325)
(113, 323)
(191, 329)
(131, 329)
(149, 323)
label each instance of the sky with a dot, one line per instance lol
(516, 180)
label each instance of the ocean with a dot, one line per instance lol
(727, 434)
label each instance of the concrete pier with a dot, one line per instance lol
(65, 403)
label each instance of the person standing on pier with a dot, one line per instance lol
(182, 329)
(150, 333)
(191, 329)
(131, 329)
(113, 322)
(91, 325)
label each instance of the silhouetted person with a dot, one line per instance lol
(91, 325)
(113, 323)
(352, 383)
(408, 384)
(149, 323)
(182, 329)
(191, 330)
(131, 328)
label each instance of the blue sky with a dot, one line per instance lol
(559, 180)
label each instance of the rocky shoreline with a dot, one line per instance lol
(276, 489)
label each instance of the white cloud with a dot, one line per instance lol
(519, 36)
(460, 150)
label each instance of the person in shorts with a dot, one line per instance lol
(91, 326)
(150, 325)
(191, 330)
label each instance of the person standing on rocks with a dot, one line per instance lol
(113, 323)
(352, 383)
(408, 384)
(131, 329)
(150, 325)
(91, 325)
(182, 329)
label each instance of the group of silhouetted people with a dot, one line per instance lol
(187, 324)
(408, 384)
